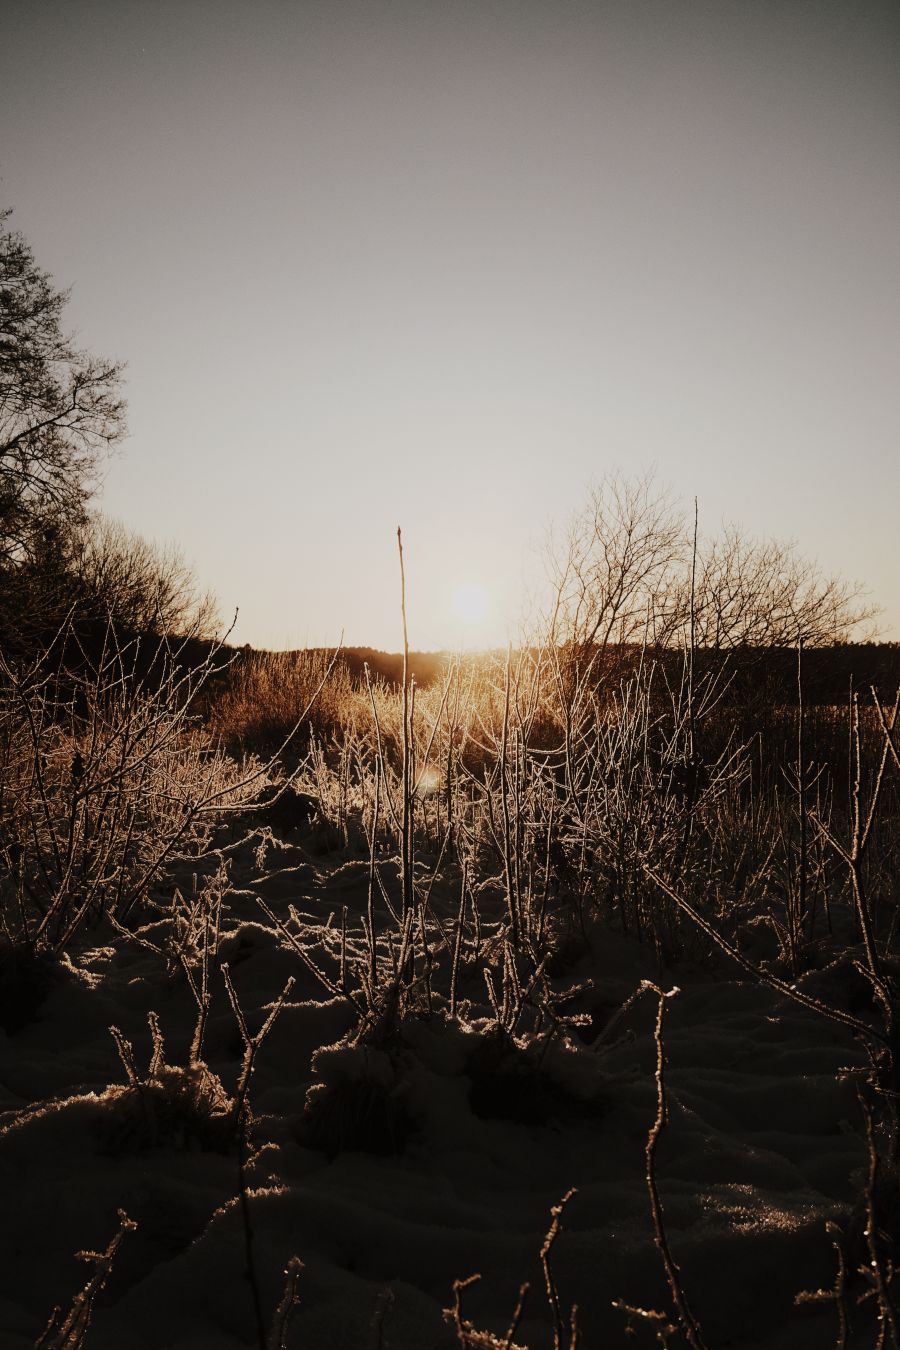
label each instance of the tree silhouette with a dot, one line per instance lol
(59, 406)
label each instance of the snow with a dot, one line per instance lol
(763, 1146)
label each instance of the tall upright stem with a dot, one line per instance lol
(801, 795)
(693, 637)
(511, 898)
(406, 830)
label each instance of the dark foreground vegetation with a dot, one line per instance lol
(542, 998)
(477, 899)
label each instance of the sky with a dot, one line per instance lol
(443, 264)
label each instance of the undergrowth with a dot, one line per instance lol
(504, 819)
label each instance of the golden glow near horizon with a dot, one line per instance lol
(471, 616)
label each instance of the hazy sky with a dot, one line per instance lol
(439, 264)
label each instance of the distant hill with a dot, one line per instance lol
(760, 674)
(829, 673)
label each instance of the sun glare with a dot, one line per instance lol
(470, 602)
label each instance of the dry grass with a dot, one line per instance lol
(509, 812)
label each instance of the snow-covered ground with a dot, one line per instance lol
(762, 1148)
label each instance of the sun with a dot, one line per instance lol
(470, 602)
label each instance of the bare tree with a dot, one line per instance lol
(618, 566)
(763, 593)
(59, 406)
(628, 571)
(140, 586)
(59, 411)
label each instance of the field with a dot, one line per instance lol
(323, 994)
